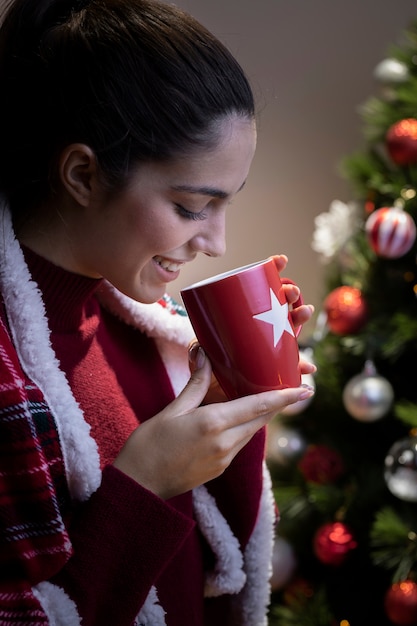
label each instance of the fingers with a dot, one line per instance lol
(302, 314)
(229, 426)
(196, 356)
(253, 412)
(265, 404)
(196, 389)
(281, 261)
(292, 292)
(306, 367)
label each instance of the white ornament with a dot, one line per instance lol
(284, 445)
(367, 397)
(334, 228)
(391, 71)
(283, 563)
(401, 469)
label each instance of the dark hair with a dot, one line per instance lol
(136, 80)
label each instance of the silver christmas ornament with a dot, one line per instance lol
(284, 563)
(401, 469)
(367, 397)
(391, 71)
(284, 445)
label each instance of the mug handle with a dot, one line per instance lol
(297, 303)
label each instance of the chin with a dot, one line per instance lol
(147, 296)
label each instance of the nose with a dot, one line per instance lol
(211, 238)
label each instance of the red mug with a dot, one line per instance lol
(242, 320)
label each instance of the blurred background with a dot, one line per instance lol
(311, 65)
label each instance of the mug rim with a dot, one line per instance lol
(227, 274)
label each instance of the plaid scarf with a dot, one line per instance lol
(33, 539)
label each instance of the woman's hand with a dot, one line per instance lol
(187, 444)
(299, 315)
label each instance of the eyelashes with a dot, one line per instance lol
(190, 215)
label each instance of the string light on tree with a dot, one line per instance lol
(391, 232)
(368, 397)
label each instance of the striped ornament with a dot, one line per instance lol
(391, 232)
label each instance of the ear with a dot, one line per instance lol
(78, 172)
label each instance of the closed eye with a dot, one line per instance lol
(190, 215)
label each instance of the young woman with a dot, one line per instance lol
(127, 495)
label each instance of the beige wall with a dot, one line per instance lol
(311, 63)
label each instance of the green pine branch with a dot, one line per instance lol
(300, 612)
(406, 412)
(393, 544)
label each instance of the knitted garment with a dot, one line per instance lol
(58, 464)
(115, 371)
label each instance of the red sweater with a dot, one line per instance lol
(118, 378)
(125, 539)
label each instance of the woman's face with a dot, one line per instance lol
(169, 212)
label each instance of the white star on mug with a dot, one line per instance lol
(277, 316)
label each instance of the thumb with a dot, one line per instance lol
(196, 389)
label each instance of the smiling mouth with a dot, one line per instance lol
(170, 266)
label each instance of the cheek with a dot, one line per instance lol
(155, 227)
(168, 234)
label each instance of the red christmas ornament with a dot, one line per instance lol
(391, 232)
(346, 310)
(401, 603)
(401, 141)
(321, 464)
(333, 542)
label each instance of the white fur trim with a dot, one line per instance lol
(255, 598)
(31, 336)
(228, 575)
(153, 319)
(172, 333)
(58, 607)
(152, 613)
(175, 358)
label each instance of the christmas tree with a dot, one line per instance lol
(344, 464)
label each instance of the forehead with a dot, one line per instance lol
(225, 165)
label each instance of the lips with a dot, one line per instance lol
(169, 266)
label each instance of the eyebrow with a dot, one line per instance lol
(206, 191)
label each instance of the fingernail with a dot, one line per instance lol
(197, 356)
(200, 358)
(307, 392)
